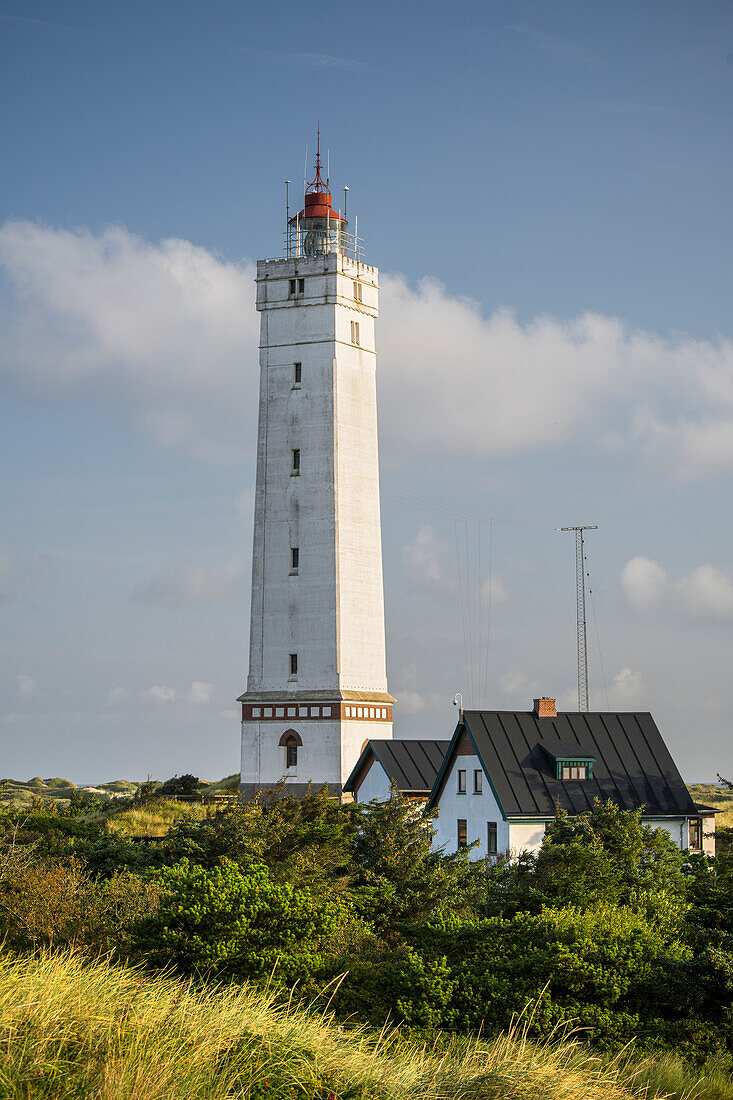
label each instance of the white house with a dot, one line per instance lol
(505, 772)
(408, 767)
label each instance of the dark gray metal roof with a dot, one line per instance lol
(411, 765)
(632, 766)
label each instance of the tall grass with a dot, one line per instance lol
(69, 1030)
(156, 818)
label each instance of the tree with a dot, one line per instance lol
(182, 785)
(398, 876)
(306, 840)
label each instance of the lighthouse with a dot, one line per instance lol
(317, 683)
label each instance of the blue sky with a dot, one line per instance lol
(546, 190)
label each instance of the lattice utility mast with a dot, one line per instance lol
(580, 597)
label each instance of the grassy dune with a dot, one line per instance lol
(710, 794)
(155, 819)
(69, 1030)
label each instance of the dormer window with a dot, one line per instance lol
(569, 761)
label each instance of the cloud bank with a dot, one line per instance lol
(170, 330)
(704, 593)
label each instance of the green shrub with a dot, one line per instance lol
(231, 922)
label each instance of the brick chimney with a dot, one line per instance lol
(545, 708)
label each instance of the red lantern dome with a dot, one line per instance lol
(318, 227)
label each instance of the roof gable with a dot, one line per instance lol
(411, 765)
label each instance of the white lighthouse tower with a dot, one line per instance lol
(317, 685)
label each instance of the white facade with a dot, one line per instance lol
(317, 646)
(376, 785)
(477, 810)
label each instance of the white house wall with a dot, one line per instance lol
(376, 785)
(526, 836)
(476, 809)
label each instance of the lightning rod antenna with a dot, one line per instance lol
(583, 694)
(287, 217)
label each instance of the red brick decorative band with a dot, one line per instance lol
(276, 712)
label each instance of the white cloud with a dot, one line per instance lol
(644, 583)
(170, 329)
(626, 690)
(199, 693)
(158, 693)
(535, 384)
(704, 593)
(707, 593)
(190, 587)
(26, 686)
(424, 557)
(494, 591)
(117, 696)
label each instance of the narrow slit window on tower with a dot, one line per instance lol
(301, 286)
(294, 558)
(357, 291)
(297, 373)
(296, 461)
(293, 664)
(355, 333)
(292, 285)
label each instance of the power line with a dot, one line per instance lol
(452, 511)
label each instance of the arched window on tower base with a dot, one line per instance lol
(291, 741)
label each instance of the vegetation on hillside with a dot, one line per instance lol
(609, 927)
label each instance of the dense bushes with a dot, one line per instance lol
(235, 923)
(609, 925)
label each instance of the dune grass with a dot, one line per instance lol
(156, 818)
(711, 794)
(70, 1030)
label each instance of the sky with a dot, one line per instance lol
(545, 189)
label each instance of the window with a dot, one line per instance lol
(462, 832)
(297, 373)
(491, 838)
(574, 771)
(292, 287)
(293, 664)
(296, 286)
(296, 461)
(291, 742)
(355, 332)
(357, 291)
(461, 782)
(294, 558)
(478, 781)
(301, 286)
(696, 834)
